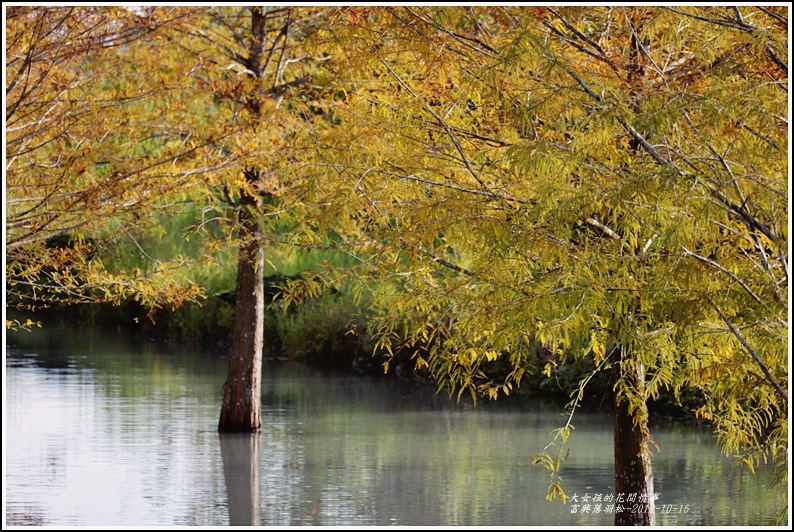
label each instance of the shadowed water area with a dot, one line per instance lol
(102, 431)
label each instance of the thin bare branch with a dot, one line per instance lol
(705, 260)
(737, 333)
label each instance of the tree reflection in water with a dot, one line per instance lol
(240, 452)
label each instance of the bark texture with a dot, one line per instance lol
(633, 473)
(242, 392)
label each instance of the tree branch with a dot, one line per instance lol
(611, 234)
(447, 264)
(493, 195)
(729, 23)
(582, 83)
(441, 122)
(782, 20)
(730, 274)
(739, 210)
(752, 352)
(463, 39)
(772, 55)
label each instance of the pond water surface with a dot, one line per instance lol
(99, 431)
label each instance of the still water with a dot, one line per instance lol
(100, 431)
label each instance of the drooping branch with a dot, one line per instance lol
(735, 24)
(441, 122)
(489, 194)
(598, 54)
(705, 260)
(469, 42)
(582, 83)
(447, 264)
(741, 211)
(773, 56)
(752, 352)
(783, 21)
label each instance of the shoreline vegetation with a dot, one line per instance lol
(330, 334)
(330, 331)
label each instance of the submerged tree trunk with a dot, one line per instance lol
(242, 391)
(634, 492)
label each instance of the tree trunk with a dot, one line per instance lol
(633, 473)
(634, 504)
(242, 391)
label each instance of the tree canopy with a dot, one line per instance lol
(89, 152)
(581, 178)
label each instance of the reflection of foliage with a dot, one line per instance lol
(360, 446)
